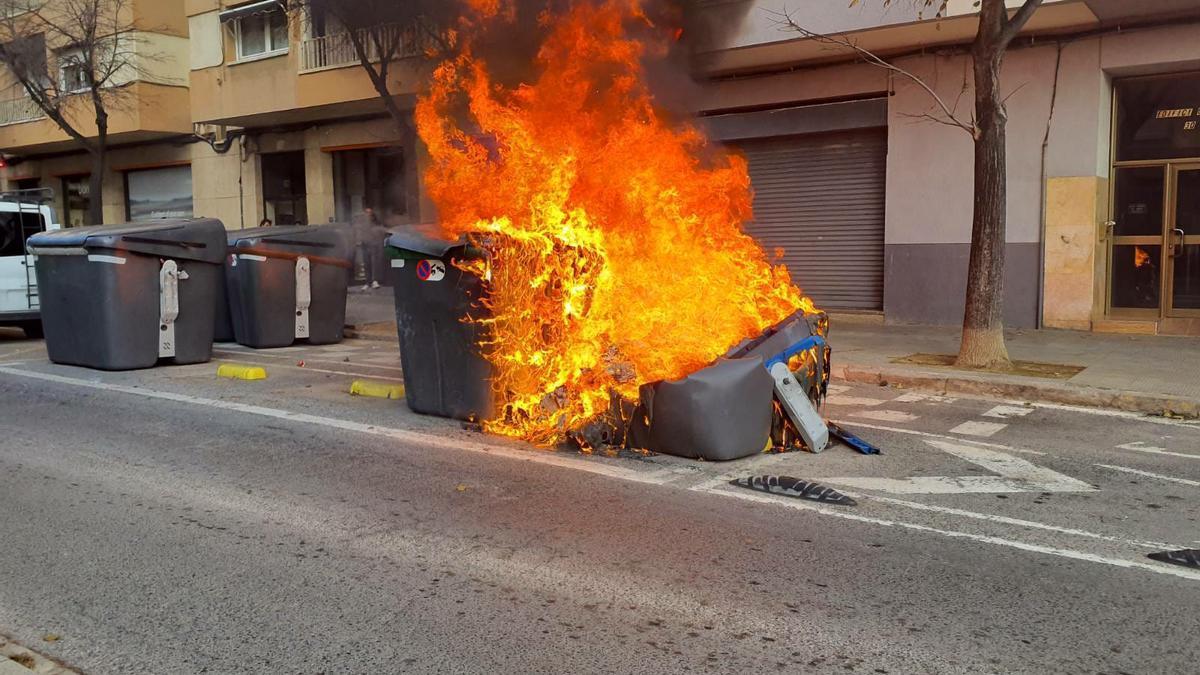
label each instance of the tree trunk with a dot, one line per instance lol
(983, 324)
(96, 187)
(99, 164)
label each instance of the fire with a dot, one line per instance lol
(1140, 257)
(616, 254)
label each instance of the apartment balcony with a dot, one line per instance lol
(314, 80)
(337, 50)
(19, 110)
(147, 111)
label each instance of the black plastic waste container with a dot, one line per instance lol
(119, 297)
(444, 371)
(289, 283)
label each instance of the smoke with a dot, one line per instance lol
(669, 34)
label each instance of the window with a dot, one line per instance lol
(373, 178)
(77, 201)
(158, 193)
(261, 34)
(17, 7)
(72, 73)
(16, 227)
(285, 198)
(1158, 118)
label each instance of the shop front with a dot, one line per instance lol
(1153, 251)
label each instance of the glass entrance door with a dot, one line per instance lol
(1137, 241)
(1182, 281)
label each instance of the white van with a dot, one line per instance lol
(23, 213)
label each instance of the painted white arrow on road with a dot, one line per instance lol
(1015, 475)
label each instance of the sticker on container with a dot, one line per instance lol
(398, 262)
(110, 259)
(431, 270)
(252, 257)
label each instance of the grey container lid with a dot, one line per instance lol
(201, 239)
(424, 240)
(330, 241)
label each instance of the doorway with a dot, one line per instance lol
(76, 201)
(285, 197)
(1182, 282)
(1154, 232)
(1154, 256)
(371, 178)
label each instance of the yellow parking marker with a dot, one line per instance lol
(377, 389)
(239, 372)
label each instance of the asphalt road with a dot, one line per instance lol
(166, 521)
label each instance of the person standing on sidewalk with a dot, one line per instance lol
(369, 235)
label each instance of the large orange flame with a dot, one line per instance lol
(617, 255)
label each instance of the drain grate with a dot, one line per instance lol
(786, 486)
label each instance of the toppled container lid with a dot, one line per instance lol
(321, 243)
(719, 413)
(201, 239)
(778, 338)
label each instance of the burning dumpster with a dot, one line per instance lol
(444, 371)
(616, 297)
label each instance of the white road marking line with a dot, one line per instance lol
(1007, 411)
(292, 358)
(1153, 545)
(854, 400)
(1139, 446)
(980, 429)
(926, 434)
(1169, 570)
(427, 440)
(12, 363)
(753, 468)
(1105, 412)
(932, 485)
(1015, 475)
(886, 415)
(837, 389)
(914, 397)
(1147, 474)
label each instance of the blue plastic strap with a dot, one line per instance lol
(801, 346)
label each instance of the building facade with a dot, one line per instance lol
(245, 111)
(251, 111)
(314, 142)
(872, 197)
(151, 115)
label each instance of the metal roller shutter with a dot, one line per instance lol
(820, 199)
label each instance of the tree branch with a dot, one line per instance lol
(1014, 25)
(786, 22)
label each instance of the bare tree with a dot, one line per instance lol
(73, 58)
(383, 32)
(982, 343)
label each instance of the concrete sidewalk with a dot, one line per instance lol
(1146, 374)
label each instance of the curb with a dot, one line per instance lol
(1022, 389)
(16, 659)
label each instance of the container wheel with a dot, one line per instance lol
(33, 330)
